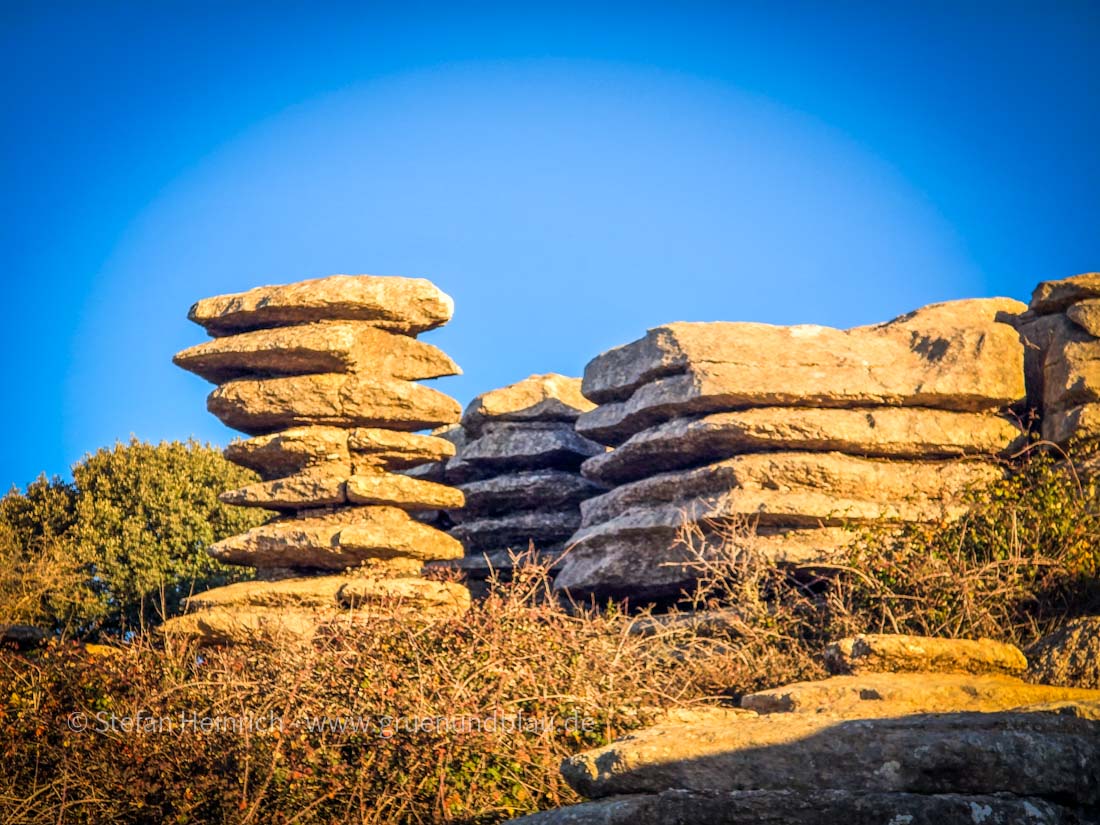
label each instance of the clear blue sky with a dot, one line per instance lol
(571, 175)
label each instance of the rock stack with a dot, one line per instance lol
(802, 431)
(517, 464)
(912, 730)
(1062, 331)
(321, 374)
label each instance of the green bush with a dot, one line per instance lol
(124, 542)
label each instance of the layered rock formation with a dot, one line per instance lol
(517, 464)
(321, 374)
(1062, 333)
(883, 745)
(802, 431)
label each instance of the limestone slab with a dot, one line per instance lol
(324, 346)
(874, 431)
(404, 305)
(258, 406)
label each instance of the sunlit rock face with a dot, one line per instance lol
(799, 434)
(322, 374)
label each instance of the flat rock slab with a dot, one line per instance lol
(898, 652)
(317, 486)
(877, 695)
(345, 538)
(824, 807)
(402, 491)
(516, 530)
(797, 489)
(1053, 756)
(384, 449)
(1069, 655)
(327, 346)
(886, 432)
(508, 447)
(344, 591)
(288, 452)
(550, 397)
(1055, 296)
(530, 490)
(640, 555)
(269, 404)
(405, 305)
(959, 355)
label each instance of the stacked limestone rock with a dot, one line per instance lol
(1062, 331)
(803, 430)
(518, 465)
(912, 730)
(321, 374)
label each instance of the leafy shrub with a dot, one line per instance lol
(124, 542)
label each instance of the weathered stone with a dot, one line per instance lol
(888, 432)
(1048, 755)
(878, 695)
(313, 592)
(958, 355)
(264, 405)
(344, 538)
(329, 346)
(1043, 336)
(896, 652)
(1086, 315)
(241, 625)
(531, 490)
(388, 450)
(332, 592)
(317, 486)
(718, 387)
(1061, 426)
(640, 555)
(404, 305)
(22, 636)
(290, 451)
(513, 447)
(1069, 655)
(1055, 296)
(818, 807)
(549, 397)
(805, 489)
(516, 530)
(1072, 375)
(402, 491)
(360, 591)
(502, 563)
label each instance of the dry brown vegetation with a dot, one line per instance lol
(551, 678)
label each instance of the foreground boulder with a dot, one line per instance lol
(784, 807)
(1069, 655)
(869, 747)
(322, 375)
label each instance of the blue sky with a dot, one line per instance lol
(570, 174)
